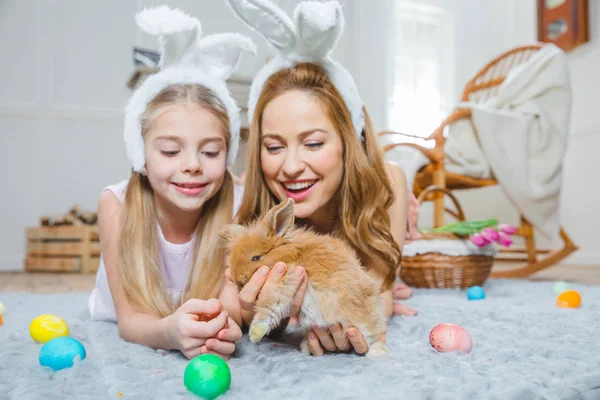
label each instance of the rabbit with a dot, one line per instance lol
(338, 288)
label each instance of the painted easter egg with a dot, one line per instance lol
(475, 293)
(448, 337)
(207, 376)
(569, 299)
(47, 327)
(61, 353)
(560, 287)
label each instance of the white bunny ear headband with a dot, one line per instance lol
(186, 58)
(311, 37)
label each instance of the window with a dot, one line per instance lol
(422, 69)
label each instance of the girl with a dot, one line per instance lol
(161, 273)
(311, 139)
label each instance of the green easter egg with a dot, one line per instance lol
(560, 287)
(207, 376)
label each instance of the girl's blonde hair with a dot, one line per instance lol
(139, 263)
(365, 193)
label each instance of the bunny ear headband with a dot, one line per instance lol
(311, 37)
(185, 58)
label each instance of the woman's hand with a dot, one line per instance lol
(264, 281)
(335, 339)
(412, 232)
(402, 292)
(189, 328)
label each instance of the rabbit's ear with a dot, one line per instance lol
(280, 219)
(229, 234)
(319, 26)
(177, 32)
(222, 52)
(267, 19)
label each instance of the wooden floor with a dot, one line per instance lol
(55, 283)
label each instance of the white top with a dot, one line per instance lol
(176, 261)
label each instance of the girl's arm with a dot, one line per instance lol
(182, 330)
(134, 327)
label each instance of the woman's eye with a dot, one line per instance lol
(314, 145)
(211, 154)
(255, 258)
(274, 148)
(169, 153)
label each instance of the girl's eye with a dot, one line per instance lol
(170, 153)
(211, 154)
(314, 145)
(255, 258)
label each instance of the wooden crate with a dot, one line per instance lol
(63, 249)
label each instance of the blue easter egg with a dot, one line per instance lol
(60, 353)
(475, 293)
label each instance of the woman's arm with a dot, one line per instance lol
(399, 219)
(398, 212)
(230, 301)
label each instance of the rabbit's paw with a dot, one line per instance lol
(377, 349)
(258, 330)
(304, 346)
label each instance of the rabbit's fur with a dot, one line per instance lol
(339, 289)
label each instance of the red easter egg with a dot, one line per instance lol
(449, 337)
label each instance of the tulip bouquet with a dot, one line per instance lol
(481, 232)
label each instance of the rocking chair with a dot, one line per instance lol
(484, 85)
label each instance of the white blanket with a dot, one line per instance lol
(518, 137)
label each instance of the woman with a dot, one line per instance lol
(312, 140)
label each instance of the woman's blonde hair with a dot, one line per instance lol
(139, 262)
(365, 193)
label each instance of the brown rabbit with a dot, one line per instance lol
(339, 289)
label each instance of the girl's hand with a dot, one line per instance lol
(223, 344)
(188, 328)
(264, 281)
(335, 339)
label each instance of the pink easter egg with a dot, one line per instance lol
(449, 337)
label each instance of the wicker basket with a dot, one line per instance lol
(458, 264)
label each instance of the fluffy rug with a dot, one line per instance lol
(524, 348)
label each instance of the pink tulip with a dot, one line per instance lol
(490, 234)
(504, 239)
(508, 229)
(478, 239)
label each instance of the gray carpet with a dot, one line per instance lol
(524, 348)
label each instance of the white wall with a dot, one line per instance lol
(66, 62)
(64, 67)
(484, 29)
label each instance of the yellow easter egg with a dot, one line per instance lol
(47, 327)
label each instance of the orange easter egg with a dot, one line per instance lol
(569, 299)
